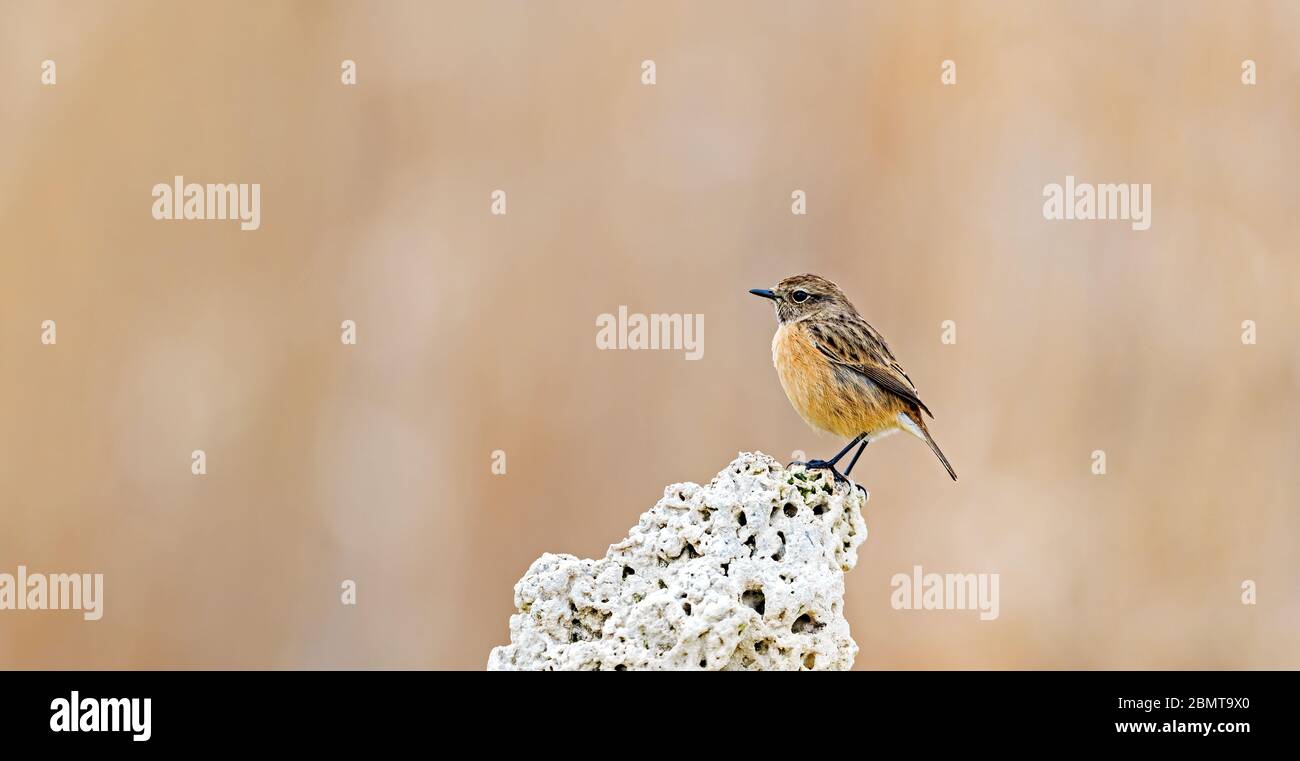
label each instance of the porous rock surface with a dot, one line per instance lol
(746, 573)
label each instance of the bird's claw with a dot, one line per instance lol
(823, 465)
(839, 477)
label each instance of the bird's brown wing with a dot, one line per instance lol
(852, 343)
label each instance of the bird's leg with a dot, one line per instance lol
(830, 464)
(854, 461)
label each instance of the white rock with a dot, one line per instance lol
(745, 573)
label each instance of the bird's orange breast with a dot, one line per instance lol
(829, 400)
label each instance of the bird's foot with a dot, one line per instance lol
(824, 465)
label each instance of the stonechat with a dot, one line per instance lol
(839, 373)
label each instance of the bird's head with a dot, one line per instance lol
(799, 297)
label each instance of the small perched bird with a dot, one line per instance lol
(838, 372)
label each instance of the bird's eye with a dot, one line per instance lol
(799, 296)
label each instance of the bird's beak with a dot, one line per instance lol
(764, 293)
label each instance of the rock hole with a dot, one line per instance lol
(772, 517)
(754, 598)
(790, 510)
(726, 568)
(780, 552)
(703, 663)
(741, 519)
(752, 545)
(805, 623)
(810, 660)
(662, 585)
(627, 571)
(691, 552)
(760, 647)
(686, 606)
(819, 509)
(620, 667)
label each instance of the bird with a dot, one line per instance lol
(839, 373)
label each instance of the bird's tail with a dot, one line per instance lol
(917, 428)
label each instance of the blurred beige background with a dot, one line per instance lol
(476, 332)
